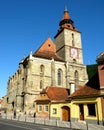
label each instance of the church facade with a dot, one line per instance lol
(53, 64)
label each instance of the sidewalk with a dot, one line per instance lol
(57, 123)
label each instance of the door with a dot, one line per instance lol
(65, 113)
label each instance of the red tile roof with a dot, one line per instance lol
(54, 94)
(85, 91)
(57, 93)
(48, 55)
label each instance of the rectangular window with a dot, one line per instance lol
(91, 109)
(54, 111)
(40, 108)
(46, 108)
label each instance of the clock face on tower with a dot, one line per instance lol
(74, 52)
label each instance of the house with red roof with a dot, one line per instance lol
(88, 102)
(48, 98)
(85, 104)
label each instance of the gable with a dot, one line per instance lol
(48, 45)
(47, 51)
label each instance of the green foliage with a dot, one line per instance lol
(92, 70)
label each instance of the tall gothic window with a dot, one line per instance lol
(59, 77)
(76, 77)
(42, 69)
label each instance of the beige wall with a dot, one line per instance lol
(27, 80)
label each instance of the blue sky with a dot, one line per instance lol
(26, 24)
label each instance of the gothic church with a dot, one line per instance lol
(53, 64)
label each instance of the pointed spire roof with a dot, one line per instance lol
(66, 14)
(66, 22)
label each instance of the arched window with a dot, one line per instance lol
(42, 69)
(59, 77)
(76, 77)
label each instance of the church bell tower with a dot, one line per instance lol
(69, 48)
(68, 40)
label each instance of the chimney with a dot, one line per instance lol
(72, 88)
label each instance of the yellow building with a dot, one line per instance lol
(49, 101)
(86, 103)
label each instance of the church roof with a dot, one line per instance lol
(47, 50)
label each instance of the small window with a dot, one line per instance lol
(49, 45)
(74, 60)
(40, 108)
(46, 108)
(91, 109)
(54, 111)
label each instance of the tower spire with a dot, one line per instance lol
(65, 8)
(66, 14)
(66, 22)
